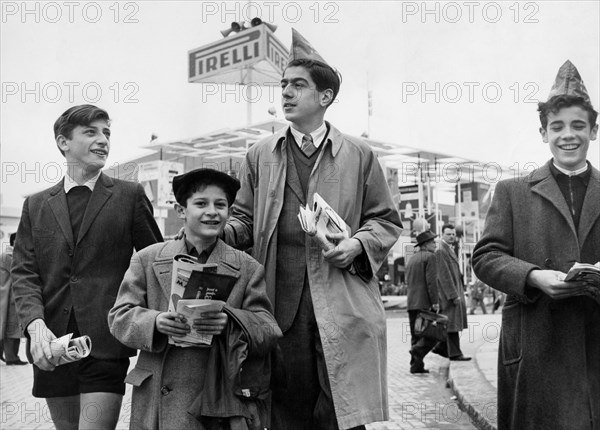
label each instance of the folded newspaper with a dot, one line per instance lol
(322, 220)
(590, 273)
(193, 284)
(67, 350)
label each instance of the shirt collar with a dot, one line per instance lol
(570, 172)
(584, 173)
(318, 135)
(90, 183)
(191, 249)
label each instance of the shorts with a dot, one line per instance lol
(88, 375)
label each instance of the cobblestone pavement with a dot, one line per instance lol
(416, 401)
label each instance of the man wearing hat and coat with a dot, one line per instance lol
(452, 296)
(422, 294)
(333, 373)
(537, 227)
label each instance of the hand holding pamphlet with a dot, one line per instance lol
(590, 273)
(322, 220)
(67, 350)
(197, 289)
(193, 309)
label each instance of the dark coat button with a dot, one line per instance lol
(66, 311)
(70, 252)
(165, 390)
(74, 278)
(548, 262)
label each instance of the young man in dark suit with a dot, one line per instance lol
(75, 243)
(537, 227)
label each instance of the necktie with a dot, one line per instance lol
(308, 147)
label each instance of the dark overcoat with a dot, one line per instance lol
(54, 275)
(421, 279)
(549, 352)
(450, 287)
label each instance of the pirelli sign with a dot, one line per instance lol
(223, 61)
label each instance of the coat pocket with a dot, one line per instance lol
(511, 336)
(137, 376)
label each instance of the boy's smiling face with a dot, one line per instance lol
(569, 133)
(205, 215)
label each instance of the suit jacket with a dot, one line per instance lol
(180, 372)
(421, 278)
(348, 309)
(54, 276)
(549, 351)
(450, 287)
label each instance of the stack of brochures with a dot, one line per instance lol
(590, 273)
(196, 289)
(320, 220)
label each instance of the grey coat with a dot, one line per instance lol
(450, 287)
(168, 379)
(549, 352)
(348, 309)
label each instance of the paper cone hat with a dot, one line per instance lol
(302, 49)
(569, 82)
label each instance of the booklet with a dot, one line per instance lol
(589, 273)
(201, 283)
(320, 220)
(67, 350)
(195, 309)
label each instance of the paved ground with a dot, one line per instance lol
(416, 401)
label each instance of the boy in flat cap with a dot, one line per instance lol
(171, 382)
(75, 241)
(334, 344)
(536, 229)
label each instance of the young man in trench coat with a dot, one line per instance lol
(334, 344)
(536, 229)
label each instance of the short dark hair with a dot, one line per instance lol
(557, 103)
(450, 226)
(323, 75)
(199, 184)
(77, 115)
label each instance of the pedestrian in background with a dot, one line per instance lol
(452, 295)
(537, 227)
(477, 291)
(10, 331)
(422, 294)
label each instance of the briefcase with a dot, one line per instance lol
(431, 325)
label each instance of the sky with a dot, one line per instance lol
(462, 78)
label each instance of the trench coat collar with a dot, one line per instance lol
(544, 184)
(334, 136)
(58, 204)
(229, 262)
(449, 251)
